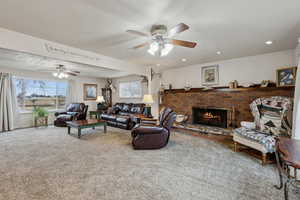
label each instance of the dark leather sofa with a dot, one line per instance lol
(74, 111)
(151, 136)
(123, 115)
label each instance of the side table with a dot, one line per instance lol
(96, 113)
(147, 120)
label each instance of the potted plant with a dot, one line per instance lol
(40, 116)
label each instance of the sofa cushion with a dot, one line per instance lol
(76, 107)
(271, 124)
(115, 110)
(72, 113)
(269, 114)
(123, 119)
(64, 117)
(266, 140)
(108, 117)
(123, 113)
(137, 108)
(126, 107)
(119, 106)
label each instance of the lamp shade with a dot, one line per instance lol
(148, 99)
(100, 99)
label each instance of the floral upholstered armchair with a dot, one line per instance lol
(273, 117)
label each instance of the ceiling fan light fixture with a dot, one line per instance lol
(61, 75)
(161, 41)
(150, 51)
(167, 49)
(55, 74)
(154, 46)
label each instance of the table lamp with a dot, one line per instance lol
(148, 100)
(100, 101)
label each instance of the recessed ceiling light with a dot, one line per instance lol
(157, 65)
(219, 52)
(183, 60)
(269, 42)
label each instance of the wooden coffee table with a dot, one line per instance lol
(82, 124)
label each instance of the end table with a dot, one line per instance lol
(96, 113)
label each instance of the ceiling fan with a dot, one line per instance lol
(161, 39)
(62, 72)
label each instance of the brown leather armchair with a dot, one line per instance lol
(74, 111)
(154, 137)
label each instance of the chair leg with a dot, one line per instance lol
(286, 190)
(264, 158)
(236, 147)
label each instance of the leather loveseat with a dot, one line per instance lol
(74, 111)
(124, 115)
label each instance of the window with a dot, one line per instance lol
(43, 93)
(131, 89)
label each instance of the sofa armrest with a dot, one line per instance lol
(248, 125)
(59, 113)
(72, 113)
(147, 130)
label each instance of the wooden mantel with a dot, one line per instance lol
(227, 89)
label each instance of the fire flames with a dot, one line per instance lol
(209, 115)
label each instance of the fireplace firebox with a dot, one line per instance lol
(210, 116)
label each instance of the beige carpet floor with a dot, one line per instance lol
(47, 163)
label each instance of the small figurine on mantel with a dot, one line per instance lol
(187, 86)
(233, 84)
(265, 83)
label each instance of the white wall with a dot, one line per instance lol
(116, 82)
(296, 130)
(244, 70)
(24, 120)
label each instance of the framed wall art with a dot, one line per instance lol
(89, 92)
(286, 77)
(210, 75)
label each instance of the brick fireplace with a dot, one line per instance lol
(235, 101)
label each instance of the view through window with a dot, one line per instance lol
(40, 93)
(131, 89)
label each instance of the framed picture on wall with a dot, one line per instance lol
(89, 92)
(286, 76)
(210, 75)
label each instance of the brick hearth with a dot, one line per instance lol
(182, 102)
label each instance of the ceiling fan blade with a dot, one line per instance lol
(47, 70)
(178, 29)
(140, 45)
(70, 73)
(183, 43)
(137, 33)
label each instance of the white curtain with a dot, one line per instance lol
(71, 93)
(8, 102)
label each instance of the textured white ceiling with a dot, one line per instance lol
(235, 27)
(25, 61)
